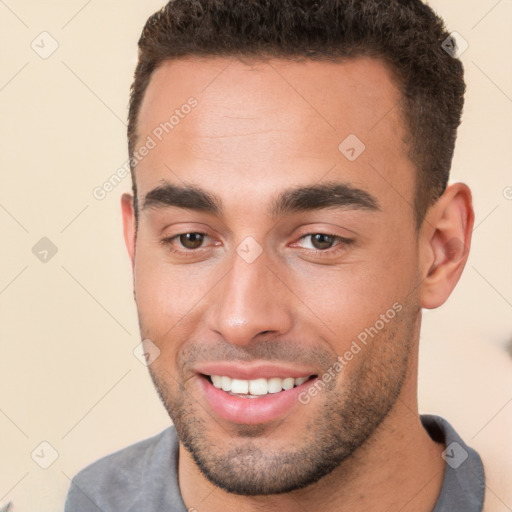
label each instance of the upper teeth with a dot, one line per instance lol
(255, 386)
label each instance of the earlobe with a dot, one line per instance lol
(128, 225)
(445, 245)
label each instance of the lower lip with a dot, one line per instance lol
(250, 411)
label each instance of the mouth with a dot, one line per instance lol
(254, 400)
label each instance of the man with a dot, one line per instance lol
(290, 217)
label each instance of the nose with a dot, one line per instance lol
(249, 301)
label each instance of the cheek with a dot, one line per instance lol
(351, 298)
(166, 294)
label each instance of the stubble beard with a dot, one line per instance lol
(241, 462)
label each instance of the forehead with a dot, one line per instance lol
(278, 120)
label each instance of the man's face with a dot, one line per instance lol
(269, 284)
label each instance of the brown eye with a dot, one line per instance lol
(321, 241)
(192, 240)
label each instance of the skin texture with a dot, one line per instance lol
(260, 128)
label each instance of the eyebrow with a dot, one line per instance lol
(326, 195)
(183, 196)
(303, 198)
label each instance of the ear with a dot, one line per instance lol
(128, 225)
(445, 240)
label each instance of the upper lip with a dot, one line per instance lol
(246, 371)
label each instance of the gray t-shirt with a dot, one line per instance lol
(144, 476)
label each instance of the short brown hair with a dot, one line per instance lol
(406, 34)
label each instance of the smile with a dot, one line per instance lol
(252, 401)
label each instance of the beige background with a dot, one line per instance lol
(68, 327)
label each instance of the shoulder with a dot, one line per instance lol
(118, 480)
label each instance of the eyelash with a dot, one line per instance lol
(342, 243)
